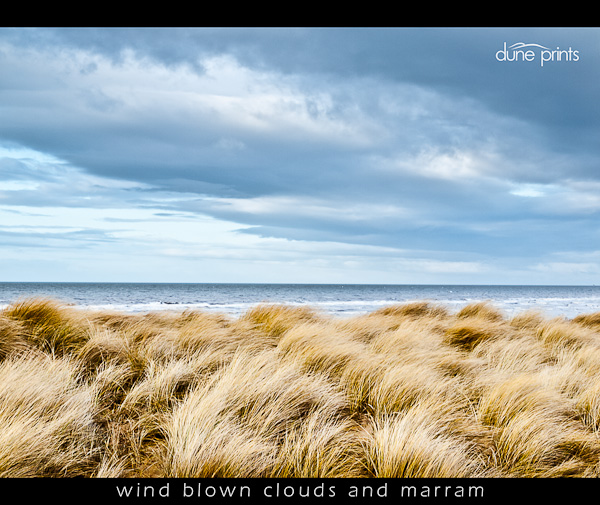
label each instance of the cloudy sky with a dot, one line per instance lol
(327, 155)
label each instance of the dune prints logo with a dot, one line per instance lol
(535, 52)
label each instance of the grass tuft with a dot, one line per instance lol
(50, 326)
(410, 390)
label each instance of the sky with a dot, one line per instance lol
(435, 155)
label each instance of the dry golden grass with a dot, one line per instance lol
(406, 391)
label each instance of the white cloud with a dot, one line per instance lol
(459, 164)
(566, 197)
(531, 190)
(310, 207)
(18, 185)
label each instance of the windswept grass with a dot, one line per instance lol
(410, 390)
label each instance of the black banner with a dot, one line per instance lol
(191, 491)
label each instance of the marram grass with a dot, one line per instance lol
(406, 391)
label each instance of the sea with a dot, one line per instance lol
(335, 299)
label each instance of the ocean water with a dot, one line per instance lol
(336, 299)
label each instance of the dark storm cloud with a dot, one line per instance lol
(459, 61)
